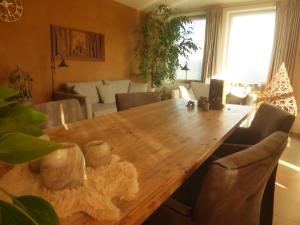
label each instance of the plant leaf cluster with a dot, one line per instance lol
(165, 38)
(19, 143)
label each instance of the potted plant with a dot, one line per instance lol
(19, 143)
(165, 37)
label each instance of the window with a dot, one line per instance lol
(195, 59)
(249, 47)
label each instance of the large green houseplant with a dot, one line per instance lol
(19, 143)
(165, 37)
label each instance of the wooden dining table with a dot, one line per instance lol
(165, 141)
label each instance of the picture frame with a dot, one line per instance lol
(75, 44)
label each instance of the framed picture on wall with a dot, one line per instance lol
(77, 44)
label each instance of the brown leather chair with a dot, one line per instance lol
(267, 120)
(59, 112)
(231, 192)
(129, 100)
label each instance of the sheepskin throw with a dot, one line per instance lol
(118, 180)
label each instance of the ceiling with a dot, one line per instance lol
(182, 5)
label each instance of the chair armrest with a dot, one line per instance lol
(243, 136)
(83, 100)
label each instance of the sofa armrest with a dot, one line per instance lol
(84, 101)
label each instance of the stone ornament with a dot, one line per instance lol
(97, 153)
(63, 168)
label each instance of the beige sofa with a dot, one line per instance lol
(98, 97)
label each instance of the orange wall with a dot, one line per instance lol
(26, 43)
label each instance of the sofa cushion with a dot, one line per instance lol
(119, 86)
(138, 87)
(200, 89)
(107, 93)
(87, 89)
(100, 109)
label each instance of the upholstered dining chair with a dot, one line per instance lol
(232, 190)
(266, 120)
(61, 112)
(130, 100)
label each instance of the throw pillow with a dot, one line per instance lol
(87, 89)
(138, 87)
(119, 86)
(107, 93)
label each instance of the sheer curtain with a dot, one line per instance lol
(286, 36)
(212, 42)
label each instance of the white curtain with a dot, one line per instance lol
(212, 42)
(286, 36)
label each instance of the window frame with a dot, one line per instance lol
(228, 13)
(194, 17)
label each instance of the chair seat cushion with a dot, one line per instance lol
(100, 109)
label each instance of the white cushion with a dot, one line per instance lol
(119, 86)
(107, 93)
(138, 87)
(100, 109)
(87, 89)
(200, 89)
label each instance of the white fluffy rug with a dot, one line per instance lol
(118, 180)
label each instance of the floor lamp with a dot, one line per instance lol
(62, 64)
(186, 69)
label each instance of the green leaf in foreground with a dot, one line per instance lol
(6, 93)
(38, 209)
(11, 215)
(18, 148)
(21, 119)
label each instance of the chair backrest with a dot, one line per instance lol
(233, 189)
(61, 112)
(129, 100)
(269, 119)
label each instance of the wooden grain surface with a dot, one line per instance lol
(165, 141)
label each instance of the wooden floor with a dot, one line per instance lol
(287, 196)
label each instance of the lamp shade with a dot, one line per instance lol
(185, 67)
(63, 63)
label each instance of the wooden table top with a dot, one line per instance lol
(165, 141)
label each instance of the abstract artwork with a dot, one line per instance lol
(77, 44)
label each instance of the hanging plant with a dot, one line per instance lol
(164, 38)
